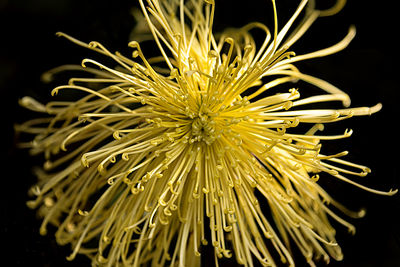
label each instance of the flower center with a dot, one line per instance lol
(203, 129)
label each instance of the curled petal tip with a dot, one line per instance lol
(362, 213)
(392, 192)
(376, 108)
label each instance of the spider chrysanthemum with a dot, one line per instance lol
(167, 154)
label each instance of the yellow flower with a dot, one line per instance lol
(164, 155)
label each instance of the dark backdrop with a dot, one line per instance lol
(367, 70)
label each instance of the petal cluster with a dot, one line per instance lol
(161, 156)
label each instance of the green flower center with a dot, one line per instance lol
(204, 129)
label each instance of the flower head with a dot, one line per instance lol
(164, 155)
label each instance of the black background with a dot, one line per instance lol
(366, 70)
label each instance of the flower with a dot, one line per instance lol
(163, 155)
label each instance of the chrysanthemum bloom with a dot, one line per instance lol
(168, 154)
